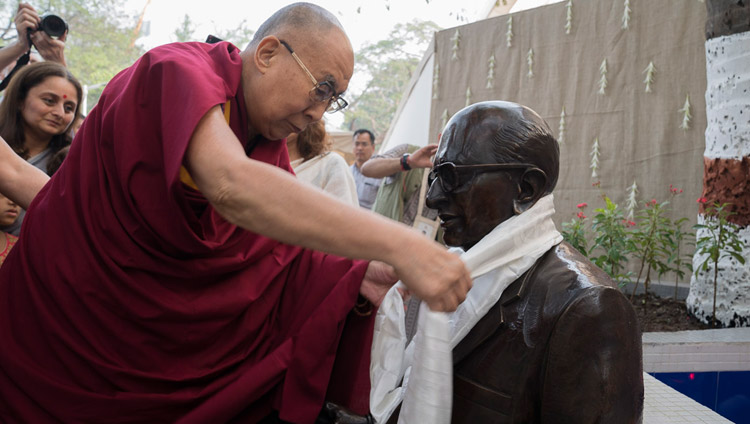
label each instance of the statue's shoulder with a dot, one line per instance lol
(574, 268)
(565, 278)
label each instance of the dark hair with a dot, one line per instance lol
(313, 140)
(528, 139)
(11, 119)
(56, 161)
(364, 131)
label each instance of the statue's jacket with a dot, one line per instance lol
(562, 345)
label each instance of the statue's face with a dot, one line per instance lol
(470, 202)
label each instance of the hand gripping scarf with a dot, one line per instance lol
(420, 374)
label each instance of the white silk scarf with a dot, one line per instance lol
(420, 374)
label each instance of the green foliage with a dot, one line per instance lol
(651, 241)
(611, 240)
(388, 65)
(186, 30)
(101, 38)
(654, 240)
(718, 239)
(574, 231)
(240, 35)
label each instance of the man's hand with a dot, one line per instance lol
(26, 20)
(379, 166)
(433, 274)
(422, 158)
(50, 49)
(379, 278)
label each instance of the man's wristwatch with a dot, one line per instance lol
(405, 162)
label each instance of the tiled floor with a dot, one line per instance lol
(664, 405)
(725, 349)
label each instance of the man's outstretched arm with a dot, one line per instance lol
(266, 200)
(388, 164)
(20, 181)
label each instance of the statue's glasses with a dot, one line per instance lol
(322, 91)
(449, 174)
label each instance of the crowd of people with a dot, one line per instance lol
(41, 101)
(174, 269)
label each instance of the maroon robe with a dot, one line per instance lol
(129, 299)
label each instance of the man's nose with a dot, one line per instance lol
(316, 111)
(435, 195)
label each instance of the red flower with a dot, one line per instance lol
(580, 215)
(596, 184)
(702, 200)
(582, 205)
(653, 201)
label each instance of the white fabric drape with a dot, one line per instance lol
(329, 172)
(421, 374)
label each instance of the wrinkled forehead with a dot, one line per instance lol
(327, 54)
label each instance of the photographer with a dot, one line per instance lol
(28, 21)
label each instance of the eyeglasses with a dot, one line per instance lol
(322, 91)
(448, 172)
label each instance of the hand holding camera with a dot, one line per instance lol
(47, 33)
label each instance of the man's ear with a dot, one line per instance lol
(530, 189)
(267, 48)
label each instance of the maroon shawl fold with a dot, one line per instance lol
(129, 299)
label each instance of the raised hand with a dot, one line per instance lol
(434, 275)
(49, 48)
(26, 20)
(422, 158)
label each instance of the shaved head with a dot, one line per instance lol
(296, 49)
(297, 18)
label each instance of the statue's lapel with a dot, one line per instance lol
(495, 319)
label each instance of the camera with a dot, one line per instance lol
(53, 25)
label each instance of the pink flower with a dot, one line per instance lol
(653, 201)
(580, 215)
(582, 205)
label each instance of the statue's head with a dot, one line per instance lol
(495, 160)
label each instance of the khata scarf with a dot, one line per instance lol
(420, 374)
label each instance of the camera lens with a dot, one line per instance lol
(53, 25)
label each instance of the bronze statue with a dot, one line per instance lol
(558, 342)
(562, 344)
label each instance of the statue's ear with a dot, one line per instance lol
(530, 189)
